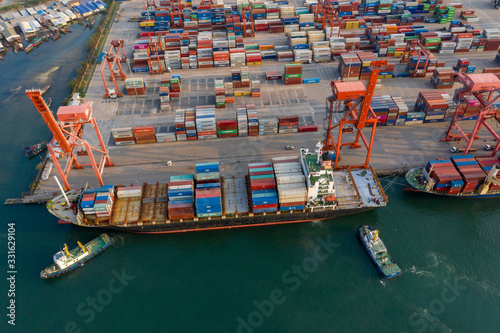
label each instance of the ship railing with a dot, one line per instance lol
(355, 185)
(380, 188)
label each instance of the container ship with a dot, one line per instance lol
(289, 189)
(462, 176)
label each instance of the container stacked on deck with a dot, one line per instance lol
(487, 163)
(472, 174)
(208, 190)
(205, 122)
(165, 95)
(442, 78)
(179, 124)
(144, 134)
(293, 74)
(446, 177)
(262, 187)
(288, 124)
(123, 136)
(103, 204)
(180, 197)
(349, 67)
(253, 120)
(292, 192)
(433, 104)
(135, 86)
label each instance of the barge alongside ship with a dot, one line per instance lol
(293, 190)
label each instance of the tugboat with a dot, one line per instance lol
(378, 252)
(66, 261)
(46, 88)
(56, 35)
(34, 150)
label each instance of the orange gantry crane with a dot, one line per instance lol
(67, 132)
(354, 99)
(112, 61)
(149, 4)
(486, 89)
(248, 24)
(154, 50)
(415, 48)
(176, 15)
(116, 47)
(325, 14)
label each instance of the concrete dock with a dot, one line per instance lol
(396, 147)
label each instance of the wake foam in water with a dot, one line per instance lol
(46, 75)
(118, 241)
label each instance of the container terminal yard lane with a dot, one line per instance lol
(395, 146)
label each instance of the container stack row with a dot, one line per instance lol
(123, 136)
(144, 134)
(288, 124)
(135, 86)
(180, 197)
(262, 187)
(179, 125)
(227, 128)
(293, 74)
(442, 78)
(242, 120)
(292, 191)
(472, 174)
(98, 202)
(165, 95)
(433, 106)
(208, 190)
(205, 122)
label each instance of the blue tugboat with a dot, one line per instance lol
(378, 252)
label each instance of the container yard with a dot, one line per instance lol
(207, 74)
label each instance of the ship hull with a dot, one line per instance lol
(416, 187)
(229, 223)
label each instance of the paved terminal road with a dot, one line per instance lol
(395, 147)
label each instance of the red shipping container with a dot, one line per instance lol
(265, 206)
(291, 204)
(309, 128)
(260, 173)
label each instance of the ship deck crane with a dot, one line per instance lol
(110, 61)
(356, 99)
(487, 92)
(67, 132)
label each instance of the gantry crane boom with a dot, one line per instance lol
(359, 115)
(68, 134)
(487, 93)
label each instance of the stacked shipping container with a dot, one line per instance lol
(180, 197)
(208, 190)
(292, 192)
(262, 187)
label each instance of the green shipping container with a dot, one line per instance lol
(289, 76)
(227, 132)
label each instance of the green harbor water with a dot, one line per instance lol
(310, 277)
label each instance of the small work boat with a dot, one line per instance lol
(56, 35)
(66, 261)
(46, 88)
(34, 150)
(29, 48)
(378, 252)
